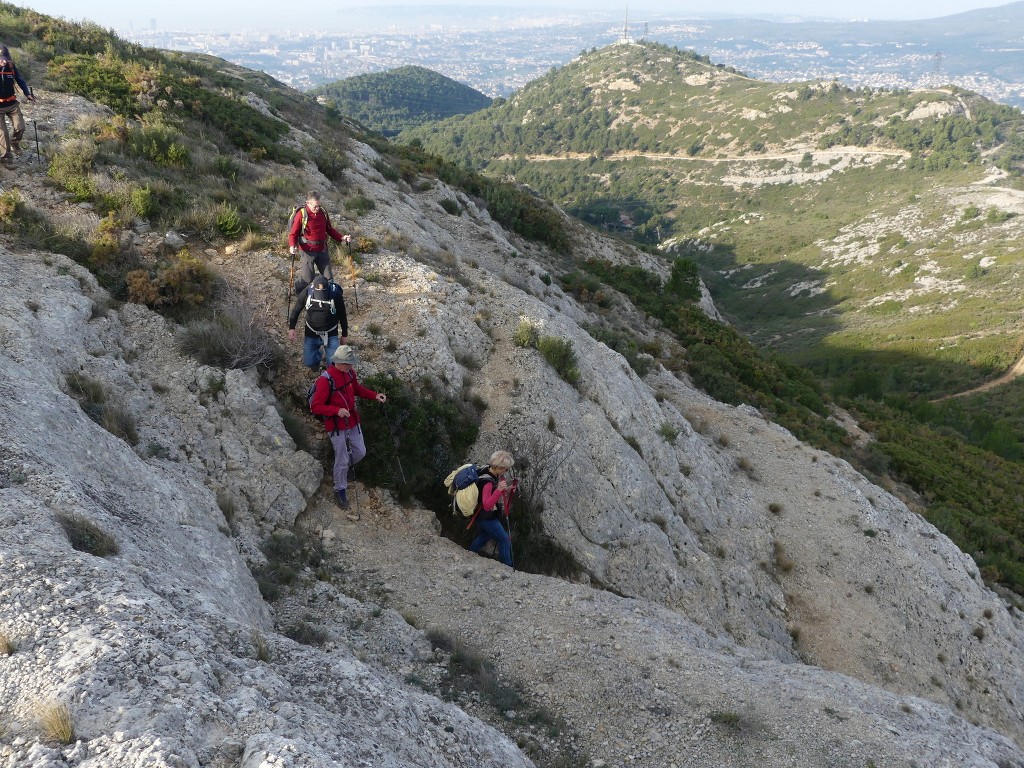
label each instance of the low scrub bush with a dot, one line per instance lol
(97, 405)
(424, 429)
(561, 356)
(287, 554)
(451, 206)
(359, 204)
(86, 536)
(71, 167)
(177, 285)
(159, 143)
(7, 645)
(559, 352)
(233, 337)
(307, 634)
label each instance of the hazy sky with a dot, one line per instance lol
(262, 14)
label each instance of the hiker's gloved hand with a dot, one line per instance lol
(346, 238)
(291, 334)
(343, 413)
(293, 250)
(30, 96)
(382, 398)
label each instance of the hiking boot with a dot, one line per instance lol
(342, 497)
(7, 159)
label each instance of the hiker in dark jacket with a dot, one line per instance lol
(309, 231)
(335, 401)
(326, 326)
(9, 107)
(493, 489)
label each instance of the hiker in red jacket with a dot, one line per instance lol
(9, 107)
(309, 231)
(334, 398)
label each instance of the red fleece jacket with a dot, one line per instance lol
(346, 388)
(318, 227)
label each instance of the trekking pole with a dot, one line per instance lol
(35, 128)
(352, 274)
(352, 475)
(394, 445)
(291, 287)
(508, 518)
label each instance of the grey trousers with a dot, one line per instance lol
(11, 112)
(320, 261)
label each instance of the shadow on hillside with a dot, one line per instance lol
(781, 305)
(786, 307)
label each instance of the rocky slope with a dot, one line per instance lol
(728, 570)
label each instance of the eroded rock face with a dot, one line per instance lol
(154, 649)
(732, 522)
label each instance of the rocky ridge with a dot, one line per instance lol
(730, 570)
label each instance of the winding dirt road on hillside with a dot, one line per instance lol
(1015, 371)
(794, 156)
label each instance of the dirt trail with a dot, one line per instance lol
(1015, 371)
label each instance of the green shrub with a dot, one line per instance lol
(86, 536)
(359, 204)
(424, 430)
(286, 553)
(226, 166)
(71, 167)
(229, 221)
(159, 143)
(669, 432)
(561, 356)
(451, 206)
(332, 163)
(387, 171)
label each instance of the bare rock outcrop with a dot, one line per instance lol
(163, 650)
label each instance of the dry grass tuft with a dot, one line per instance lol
(782, 560)
(55, 722)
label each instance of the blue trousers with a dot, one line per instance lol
(312, 349)
(493, 529)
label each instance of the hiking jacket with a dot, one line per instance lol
(318, 227)
(489, 497)
(321, 319)
(346, 388)
(8, 77)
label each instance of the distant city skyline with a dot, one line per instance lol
(200, 15)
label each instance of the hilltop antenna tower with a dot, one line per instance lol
(625, 39)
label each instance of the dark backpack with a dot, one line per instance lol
(322, 297)
(312, 391)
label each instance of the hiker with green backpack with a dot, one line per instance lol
(487, 492)
(332, 397)
(308, 233)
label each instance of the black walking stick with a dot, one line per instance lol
(394, 445)
(291, 287)
(352, 274)
(352, 474)
(35, 128)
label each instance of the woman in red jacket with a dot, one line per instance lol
(334, 398)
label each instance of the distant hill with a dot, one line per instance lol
(402, 98)
(871, 235)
